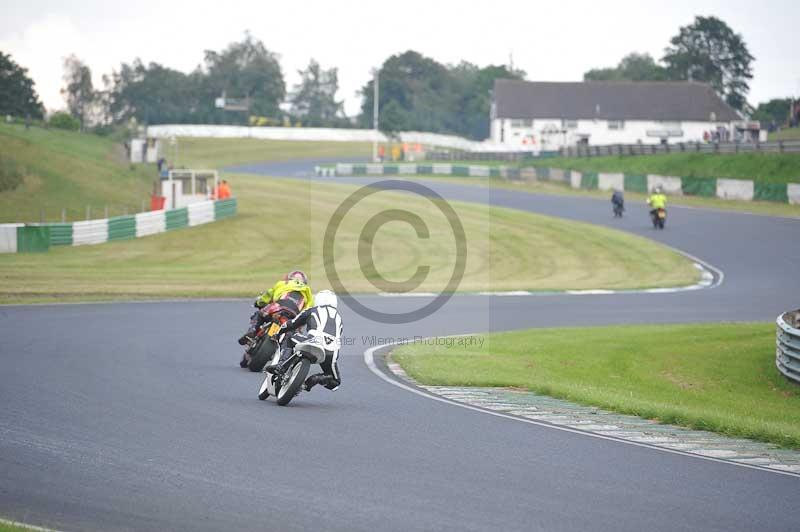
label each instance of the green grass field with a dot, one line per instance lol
(218, 153)
(507, 250)
(68, 171)
(718, 377)
(785, 134)
(765, 167)
(280, 226)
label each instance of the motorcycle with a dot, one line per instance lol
(658, 216)
(286, 381)
(265, 342)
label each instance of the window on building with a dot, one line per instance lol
(616, 124)
(520, 123)
(569, 124)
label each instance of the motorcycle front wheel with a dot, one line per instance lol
(295, 378)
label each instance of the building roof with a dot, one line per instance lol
(610, 100)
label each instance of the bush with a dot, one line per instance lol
(10, 174)
(62, 120)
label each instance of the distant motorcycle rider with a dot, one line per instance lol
(657, 200)
(618, 202)
(292, 292)
(324, 322)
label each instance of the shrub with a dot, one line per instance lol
(62, 120)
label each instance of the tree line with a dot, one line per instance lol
(416, 92)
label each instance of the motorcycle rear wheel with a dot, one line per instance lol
(297, 375)
(262, 353)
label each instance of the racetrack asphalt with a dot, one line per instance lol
(135, 416)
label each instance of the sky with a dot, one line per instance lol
(551, 41)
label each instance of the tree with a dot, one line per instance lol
(314, 98)
(17, 95)
(78, 90)
(708, 50)
(154, 94)
(475, 85)
(245, 70)
(418, 93)
(775, 110)
(632, 67)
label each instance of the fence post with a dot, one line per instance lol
(63, 215)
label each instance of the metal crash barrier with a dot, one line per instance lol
(787, 353)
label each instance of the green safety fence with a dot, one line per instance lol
(636, 183)
(589, 180)
(494, 172)
(177, 218)
(60, 234)
(462, 171)
(391, 169)
(424, 169)
(224, 208)
(699, 186)
(771, 192)
(122, 228)
(33, 238)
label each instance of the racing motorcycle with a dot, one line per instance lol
(266, 340)
(659, 216)
(285, 382)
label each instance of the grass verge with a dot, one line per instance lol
(238, 257)
(66, 171)
(717, 377)
(218, 153)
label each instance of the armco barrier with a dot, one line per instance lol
(787, 341)
(150, 223)
(201, 213)
(224, 208)
(793, 193)
(610, 181)
(32, 238)
(122, 228)
(60, 234)
(8, 238)
(89, 232)
(698, 186)
(669, 185)
(737, 189)
(39, 237)
(740, 189)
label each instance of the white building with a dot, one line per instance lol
(551, 115)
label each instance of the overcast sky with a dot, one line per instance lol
(551, 41)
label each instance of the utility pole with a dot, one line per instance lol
(375, 115)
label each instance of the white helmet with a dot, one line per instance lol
(325, 298)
